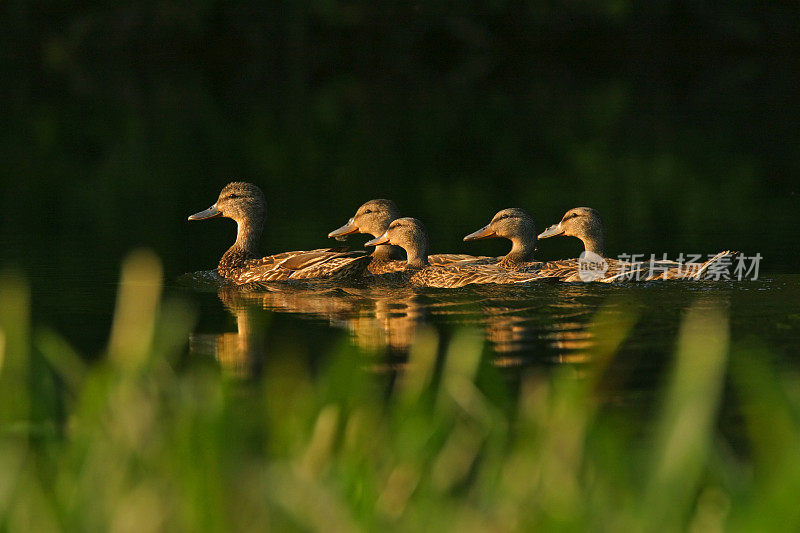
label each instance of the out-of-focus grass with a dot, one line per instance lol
(132, 444)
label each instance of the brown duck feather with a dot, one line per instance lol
(384, 266)
(462, 275)
(245, 204)
(302, 265)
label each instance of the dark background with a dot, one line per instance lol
(677, 120)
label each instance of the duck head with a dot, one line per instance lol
(372, 218)
(409, 234)
(584, 223)
(238, 200)
(244, 203)
(516, 225)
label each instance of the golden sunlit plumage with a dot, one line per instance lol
(245, 203)
(586, 224)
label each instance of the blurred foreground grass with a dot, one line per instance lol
(131, 443)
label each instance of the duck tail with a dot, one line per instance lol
(726, 256)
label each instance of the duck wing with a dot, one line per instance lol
(390, 266)
(451, 277)
(276, 259)
(446, 259)
(339, 266)
(696, 271)
(314, 258)
(323, 263)
(664, 269)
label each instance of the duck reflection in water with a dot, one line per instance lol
(550, 329)
(523, 332)
(239, 353)
(375, 319)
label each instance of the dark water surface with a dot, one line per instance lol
(532, 328)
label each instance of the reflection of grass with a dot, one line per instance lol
(130, 443)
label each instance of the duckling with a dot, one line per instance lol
(410, 234)
(373, 218)
(245, 203)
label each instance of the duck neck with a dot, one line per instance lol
(521, 250)
(248, 236)
(595, 244)
(417, 259)
(417, 251)
(385, 252)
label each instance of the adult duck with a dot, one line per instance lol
(586, 224)
(410, 234)
(373, 218)
(245, 204)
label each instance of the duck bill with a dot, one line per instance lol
(552, 231)
(347, 229)
(383, 239)
(483, 233)
(211, 212)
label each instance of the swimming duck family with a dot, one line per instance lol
(394, 236)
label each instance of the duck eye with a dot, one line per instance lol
(367, 211)
(233, 195)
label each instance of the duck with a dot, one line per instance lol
(586, 224)
(518, 226)
(246, 204)
(411, 235)
(373, 218)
